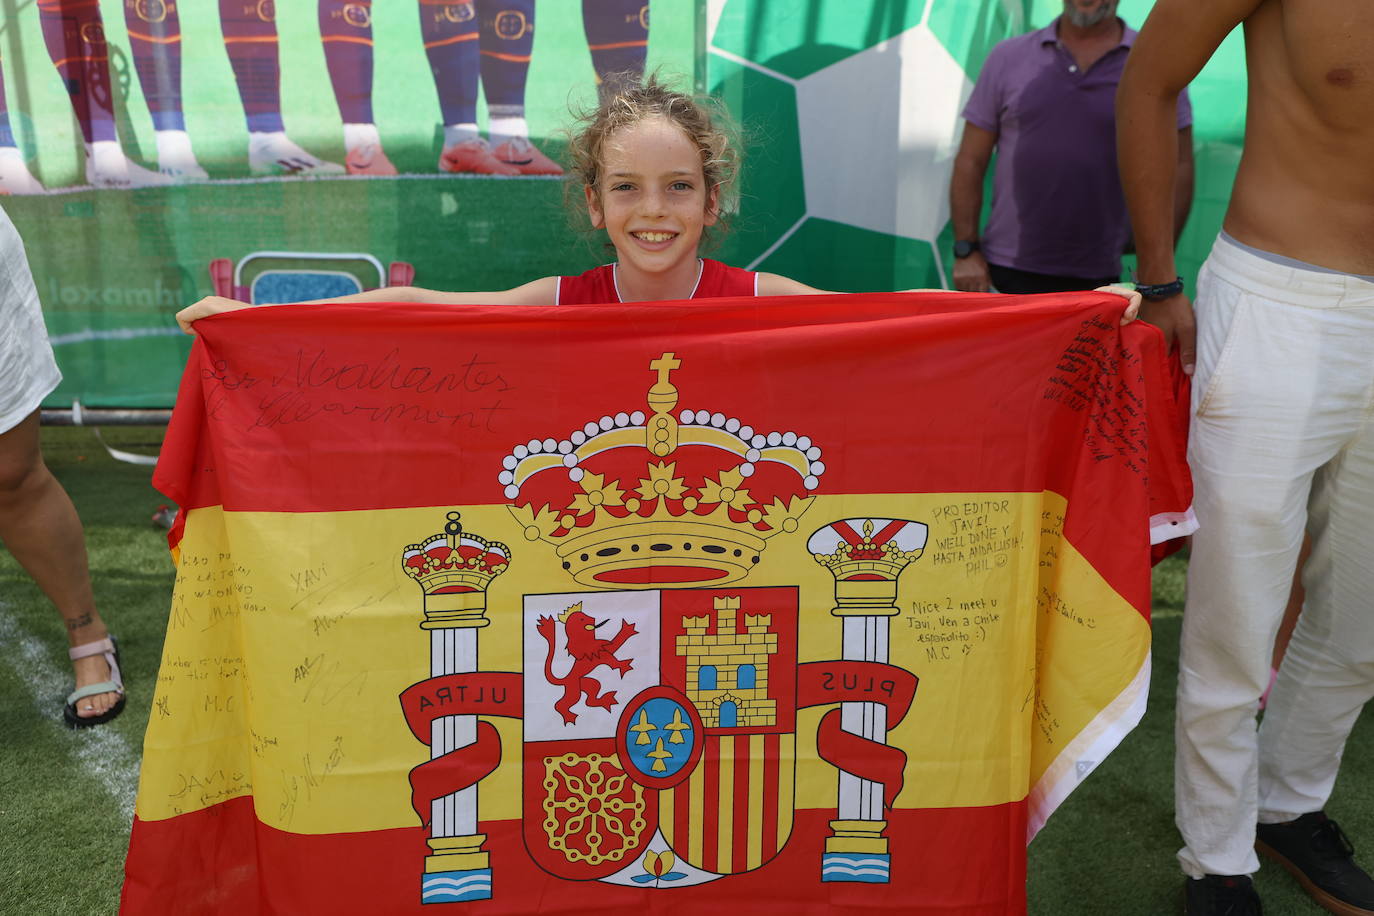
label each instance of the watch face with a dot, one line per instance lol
(963, 249)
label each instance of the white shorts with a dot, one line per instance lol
(28, 372)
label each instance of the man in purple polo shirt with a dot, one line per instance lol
(1046, 101)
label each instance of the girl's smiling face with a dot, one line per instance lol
(652, 199)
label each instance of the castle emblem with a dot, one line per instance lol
(727, 671)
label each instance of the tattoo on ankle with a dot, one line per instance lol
(76, 623)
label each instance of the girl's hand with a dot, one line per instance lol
(1131, 296)
(210, 305)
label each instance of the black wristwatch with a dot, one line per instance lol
(1160, 290)
(964, 248)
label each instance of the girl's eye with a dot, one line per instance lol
(623, 186)
(681, 186)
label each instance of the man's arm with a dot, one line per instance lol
(1184, 182)
(966, 204)
(1173, 45)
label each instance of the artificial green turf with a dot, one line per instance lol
(1110, 847)
(1108, 850)
(62, 837)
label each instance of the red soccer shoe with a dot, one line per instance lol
(475, 157)
(523, 155)
(369, 159)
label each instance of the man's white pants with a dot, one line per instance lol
(1282, 440)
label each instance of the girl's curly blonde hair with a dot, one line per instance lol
(699, 118)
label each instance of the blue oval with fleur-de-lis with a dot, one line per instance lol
(660, 737)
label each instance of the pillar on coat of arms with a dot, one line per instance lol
(453, 570)
(866, 557)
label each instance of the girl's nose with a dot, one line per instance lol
(652, 203)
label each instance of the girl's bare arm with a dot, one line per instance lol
(537, 292)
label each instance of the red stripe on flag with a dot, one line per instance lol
(710, 822)
(223, 861)
(739, 841)
(772, 786)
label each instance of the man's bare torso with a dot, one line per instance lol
(1305, 188)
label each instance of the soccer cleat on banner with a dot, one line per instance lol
(1221, 895)
(273, 153)
(475, 157)
(15, 177)
(1319, 855)
(108, 167)
(176, 159)
(369, 160)
(365, 155)
(523, 155)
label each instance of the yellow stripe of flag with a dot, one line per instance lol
(696, 812)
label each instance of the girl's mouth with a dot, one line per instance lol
(654, 238)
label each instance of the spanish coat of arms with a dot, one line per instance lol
(659, 700)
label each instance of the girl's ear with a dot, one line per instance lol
(594, 207)
(712, 206)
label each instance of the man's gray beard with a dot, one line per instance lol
(1088, 19)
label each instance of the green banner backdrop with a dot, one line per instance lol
(113, 265)
(850, 114)
(854, 109)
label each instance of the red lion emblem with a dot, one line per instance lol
(588, 653)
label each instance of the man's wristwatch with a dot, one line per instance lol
(964, 248)
(1160, 290)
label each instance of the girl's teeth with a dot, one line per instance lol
(655, 236)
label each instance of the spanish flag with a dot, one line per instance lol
(804, 605)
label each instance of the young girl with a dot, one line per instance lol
(654, 169)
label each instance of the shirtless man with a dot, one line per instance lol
(1282, 434)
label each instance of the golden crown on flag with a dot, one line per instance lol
(867, 553)
(453, 569)
(655, 500)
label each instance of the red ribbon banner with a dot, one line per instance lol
(822, 683)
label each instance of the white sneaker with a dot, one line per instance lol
(15, 177)
(176, 159)
(274, 154)
(108, 167)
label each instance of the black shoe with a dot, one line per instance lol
(1221, 895)
(1318, 854)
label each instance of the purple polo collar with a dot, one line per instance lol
(1050, 34)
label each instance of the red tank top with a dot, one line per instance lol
(597, 286)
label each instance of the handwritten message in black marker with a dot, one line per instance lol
(383, 389)
(1095, 375)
